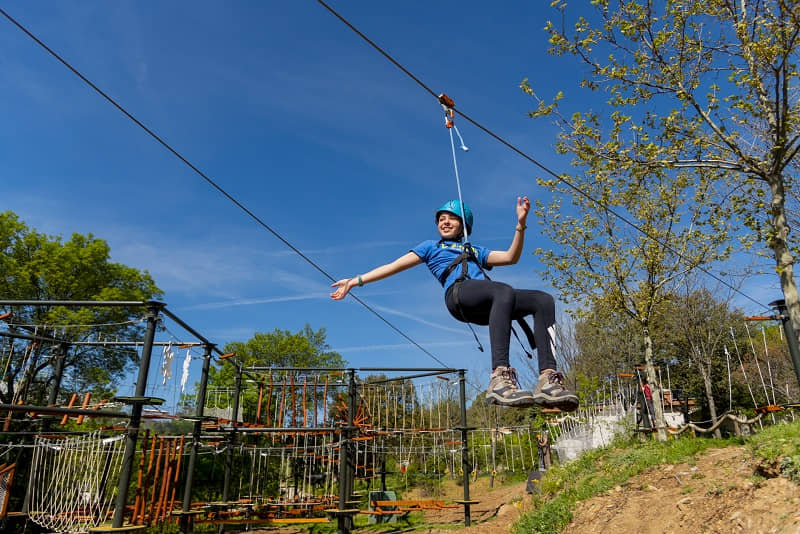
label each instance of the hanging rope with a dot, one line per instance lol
(447, 105)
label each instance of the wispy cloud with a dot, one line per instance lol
(253, 301)
(395, 346)
(416, 318)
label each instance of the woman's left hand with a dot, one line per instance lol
(523, 207)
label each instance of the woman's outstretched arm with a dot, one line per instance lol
(402, 263)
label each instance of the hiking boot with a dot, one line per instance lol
(503, 389)
(550, 392)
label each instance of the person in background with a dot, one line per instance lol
(648, 400)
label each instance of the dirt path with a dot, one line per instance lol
(498, 509)
(716, 494)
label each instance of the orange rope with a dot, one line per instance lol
(84, 406)
(70, 405)
(155, 480)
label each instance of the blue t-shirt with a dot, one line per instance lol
(437, 255)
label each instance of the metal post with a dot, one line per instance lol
(343, 522)
(465, 464)
(58, 374)
(791, 336)
(237, 391)
(153, 309)
(198, 426)
(383, 472)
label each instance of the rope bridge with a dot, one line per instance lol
(73, 481)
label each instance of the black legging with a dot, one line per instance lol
(486, 302)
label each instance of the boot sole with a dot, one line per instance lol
(525, 402)
(565, 404)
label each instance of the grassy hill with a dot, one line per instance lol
(650, 468)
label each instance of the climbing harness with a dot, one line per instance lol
(467, 253)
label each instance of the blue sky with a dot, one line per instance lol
(298, 118)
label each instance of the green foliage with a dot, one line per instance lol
(279, 348)
(698, 92)
(40, 267)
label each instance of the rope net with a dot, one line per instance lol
(73, 481)
(6, 478)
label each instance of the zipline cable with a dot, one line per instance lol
(532, 160)
(211, 182)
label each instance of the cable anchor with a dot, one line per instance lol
(448, 104)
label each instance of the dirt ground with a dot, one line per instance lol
(717, 494)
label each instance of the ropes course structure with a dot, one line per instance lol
(291, 444)
(72, 483)
(6, 478)
(286, 444)
(298, 440)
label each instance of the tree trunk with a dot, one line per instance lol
(712, 407)
(784, 261)
(658, 404)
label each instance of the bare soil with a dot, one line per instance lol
(716, 494)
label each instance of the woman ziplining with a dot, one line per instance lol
(471, 297)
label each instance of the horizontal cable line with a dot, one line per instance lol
(211, 182)
(537, 163)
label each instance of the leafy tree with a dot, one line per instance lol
(702, 324)
(630, 269)
(703, 85)
(35, 266)
(279, 348)
(608, 341)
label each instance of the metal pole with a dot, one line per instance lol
(198, 426)
(465, 463)
(237, 391)
(58, 374)
(791, 336)
(153, 309)
(344, 523)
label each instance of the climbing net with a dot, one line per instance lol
(6, 478)
(73, 481)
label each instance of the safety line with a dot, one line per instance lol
(537, 163)
(211, 182)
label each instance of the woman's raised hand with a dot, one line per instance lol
(523, 207)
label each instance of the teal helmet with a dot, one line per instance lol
(454, 207)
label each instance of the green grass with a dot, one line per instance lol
(775, 442)
(599, 471)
